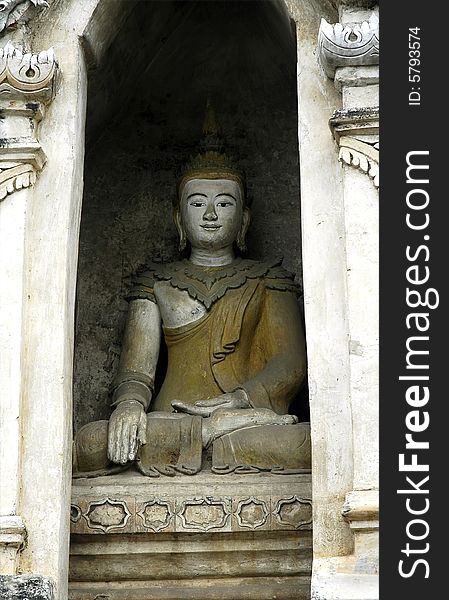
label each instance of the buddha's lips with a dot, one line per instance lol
(211, 226)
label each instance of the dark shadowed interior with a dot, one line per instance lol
(145, 109)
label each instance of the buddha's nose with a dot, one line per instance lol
(210, 214)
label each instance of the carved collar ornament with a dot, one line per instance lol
(208, 284)
(211, 162)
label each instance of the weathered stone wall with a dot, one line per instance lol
(246, 60)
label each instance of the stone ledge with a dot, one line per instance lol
(208, 536)
(241, 588)
(345, 586)
(361, 505)
(131, 503)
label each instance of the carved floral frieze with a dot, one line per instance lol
(204, 514)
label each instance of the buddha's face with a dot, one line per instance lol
(211, 212)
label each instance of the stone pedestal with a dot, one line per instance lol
(206, 536)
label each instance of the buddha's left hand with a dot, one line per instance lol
(204, 408)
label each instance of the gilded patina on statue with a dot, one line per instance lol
(236, 351)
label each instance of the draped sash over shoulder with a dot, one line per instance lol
(197, 369)
(250, 338)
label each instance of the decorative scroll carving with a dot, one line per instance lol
(203, 514)
(294, 512)
(12, 10)
(185, 513)
(30, 74)
(348, 45)
(156, 515)
(107, 514)
(27, 83)
(362, 156)
(15, 178)
(252, 513)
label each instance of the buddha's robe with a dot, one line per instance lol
(250, 338)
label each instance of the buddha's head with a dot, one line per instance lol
(211, 209)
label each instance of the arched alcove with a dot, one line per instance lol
(146, 102)
(114, 173)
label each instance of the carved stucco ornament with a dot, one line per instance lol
(203, 514)
(355, 130)
(348, 45)
(357, 133)
(252, 513)
(294, 512)
(362, 156)
(12, 10)
(156, 515)
(27, 83)
(107, 515)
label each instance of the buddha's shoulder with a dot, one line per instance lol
(275, 275)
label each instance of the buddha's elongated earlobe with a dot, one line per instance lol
(180, 227)
(240, 241)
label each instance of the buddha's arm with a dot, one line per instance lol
(140, 351)
(134, 381)
(281, 336)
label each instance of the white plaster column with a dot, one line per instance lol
(12, 231)
(51, 251)
(349, 52)
(26, 85)
(325, 298)
(39, 230)
(39, 331)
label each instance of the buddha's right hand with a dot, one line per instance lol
(126, 431)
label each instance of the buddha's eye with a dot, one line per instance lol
(224, 204)
(197, 203)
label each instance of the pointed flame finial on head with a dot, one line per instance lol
(210, 124)
(211, 162)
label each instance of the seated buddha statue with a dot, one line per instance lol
(236, 350)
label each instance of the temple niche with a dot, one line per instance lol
(146, 105)
(103, 104)
(145, 113)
